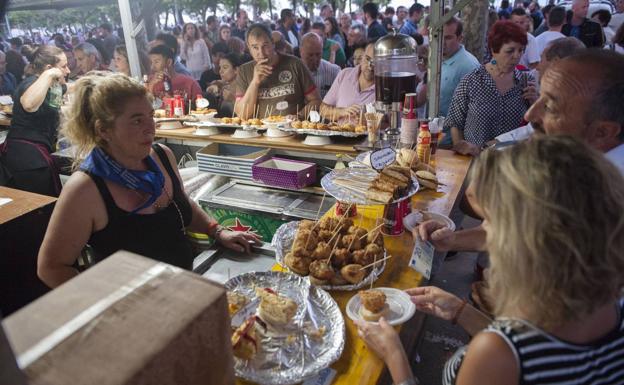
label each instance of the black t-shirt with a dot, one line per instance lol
(40, 126)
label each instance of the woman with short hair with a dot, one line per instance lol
(194, 51)
(127, 193)
(555, 277)
(493, 98)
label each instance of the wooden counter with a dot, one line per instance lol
(293, 143)
(358, 365)
(22, 203)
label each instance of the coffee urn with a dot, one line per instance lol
(395, 75)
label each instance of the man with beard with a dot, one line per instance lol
(352, 89)
(272, 80)
(580, 96)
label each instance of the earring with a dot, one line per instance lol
(493, 61)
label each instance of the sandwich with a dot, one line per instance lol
(427, 179)
(275, 309)
(374, 305)
(236, 301)
(244, 342)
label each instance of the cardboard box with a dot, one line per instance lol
(230, 160)
(128, 320)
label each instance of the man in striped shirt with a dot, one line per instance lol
(323, 72)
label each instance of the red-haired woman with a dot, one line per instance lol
(492, 99)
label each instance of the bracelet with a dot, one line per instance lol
(218, 231)
(409, 381)
(458, 312)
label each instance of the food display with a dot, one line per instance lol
(234, 120)
(286, 332)
(203, 111)
(374, 305)
(333, 252)
(275, 119)
(326, 129)
(424, 173)
(368, 186)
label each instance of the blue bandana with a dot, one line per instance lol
(151, 181)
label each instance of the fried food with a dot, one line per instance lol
(306, 239)
(236, 301)
(327, 223)
(321, 126)
(306, 225)
(226, 120)
(362, 258)
(374, 250)
(341, 257)
(236, 120)
(244, 342)
(373, 304)
(375, 237)
(360, 128)
(427, 179)
(352, 242)
(358, 231)
(296, 124)
(321, 272)
(322, 251)
(275, 119)
(353, 273)
(325, 235)
(300, 266)
(274, 308)
(379, 196)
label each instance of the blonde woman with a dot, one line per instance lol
(194, 51)
(127, 192)
(555, 233)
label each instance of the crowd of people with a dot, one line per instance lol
(551, 206)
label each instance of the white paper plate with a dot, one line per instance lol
(401, 307)
(416, 217)
(206, 131)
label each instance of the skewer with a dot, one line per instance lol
(371, 230)
(266, 111)
(333, 249)
(376, 262)
(233, 109)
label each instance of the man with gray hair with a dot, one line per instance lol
(323, 72)
(87, 57)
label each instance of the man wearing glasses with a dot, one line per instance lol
(343, 101)
(457, 63)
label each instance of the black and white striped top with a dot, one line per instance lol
(545, 359)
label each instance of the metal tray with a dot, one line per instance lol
(294, 354)
(343, 194)
(278, 203)
(308, 131)
(282, 243)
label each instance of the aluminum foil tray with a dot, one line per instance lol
(283, 240)
(343, 194)
(290, 356)
(308, 131)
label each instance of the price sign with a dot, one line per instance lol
(382, 158)
(281, 106)
(315, 117)
(202, 103)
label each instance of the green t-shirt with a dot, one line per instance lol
(341, 58)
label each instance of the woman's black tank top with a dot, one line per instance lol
(159, 236)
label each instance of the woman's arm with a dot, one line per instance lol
(34, 95)
(202, 223)
(69, 230)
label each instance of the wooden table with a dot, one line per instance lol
(23, 223)
(22, 203)
(293, 143)
(358, 365)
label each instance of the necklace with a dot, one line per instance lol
(170, 199)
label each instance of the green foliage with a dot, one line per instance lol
(52, 20)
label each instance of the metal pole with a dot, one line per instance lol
(435, 58)
(436, 41)
(130, 38)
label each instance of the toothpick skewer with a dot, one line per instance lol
(333, 249)
(376, 262)
(371, 230)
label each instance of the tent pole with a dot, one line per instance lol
(130, 38)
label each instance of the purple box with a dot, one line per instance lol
(285, 173)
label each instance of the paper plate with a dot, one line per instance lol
(416, 217)
(401, 308)
(245, 134)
